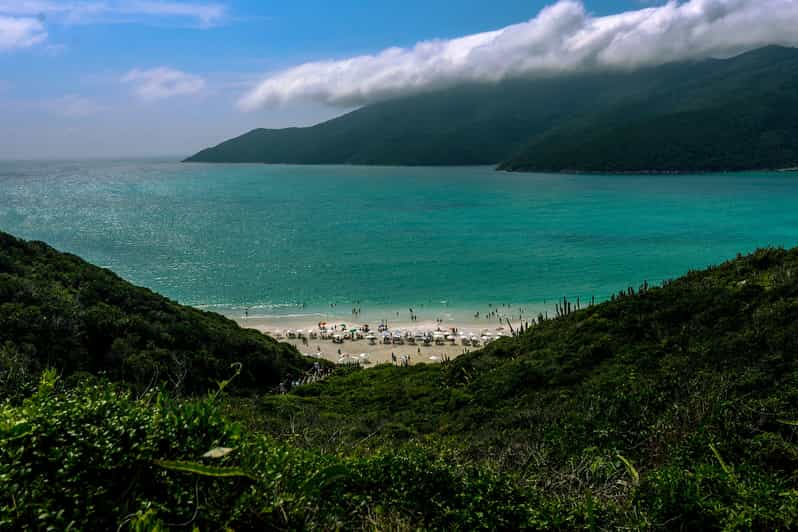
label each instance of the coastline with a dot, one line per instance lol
(498, 167)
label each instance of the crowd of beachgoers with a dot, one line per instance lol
(402, 346)
(419, 334)
(340, 333)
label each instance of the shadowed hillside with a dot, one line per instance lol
(59, 311)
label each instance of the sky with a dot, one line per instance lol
(138, 78)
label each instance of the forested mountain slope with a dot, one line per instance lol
(58, 311)
(713, 115)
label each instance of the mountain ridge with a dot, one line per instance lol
(706, 116)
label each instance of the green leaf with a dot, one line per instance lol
(723, 465)
(630, 469)
(787, 422)
(19, 430)
(204, 470)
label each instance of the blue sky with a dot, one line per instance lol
(109, 78)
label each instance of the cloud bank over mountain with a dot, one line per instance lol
(563, 37)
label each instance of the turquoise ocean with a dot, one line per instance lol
(292, 241)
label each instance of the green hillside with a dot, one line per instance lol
(671, 407)
(712, 115)
(695, 383)
(58, 311)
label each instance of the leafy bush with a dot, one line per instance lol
(96, 457)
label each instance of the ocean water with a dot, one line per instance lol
(288, 241)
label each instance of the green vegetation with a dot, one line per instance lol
(96, 457)
(58, 311)
(670, 407)
(715, 115)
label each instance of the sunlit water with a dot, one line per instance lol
(293, 240)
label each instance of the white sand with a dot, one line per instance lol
(379, 353)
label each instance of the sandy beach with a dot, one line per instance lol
(371, 354)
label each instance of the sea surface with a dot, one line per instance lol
(308, 241)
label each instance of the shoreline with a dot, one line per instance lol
(497, 167)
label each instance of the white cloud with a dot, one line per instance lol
(563, 37)
(20, 32)
(205, 14)
(110, 11)
(163, 82)
(72, 106)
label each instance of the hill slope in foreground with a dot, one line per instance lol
(672, 407)
(58, 311)
(715, 115)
